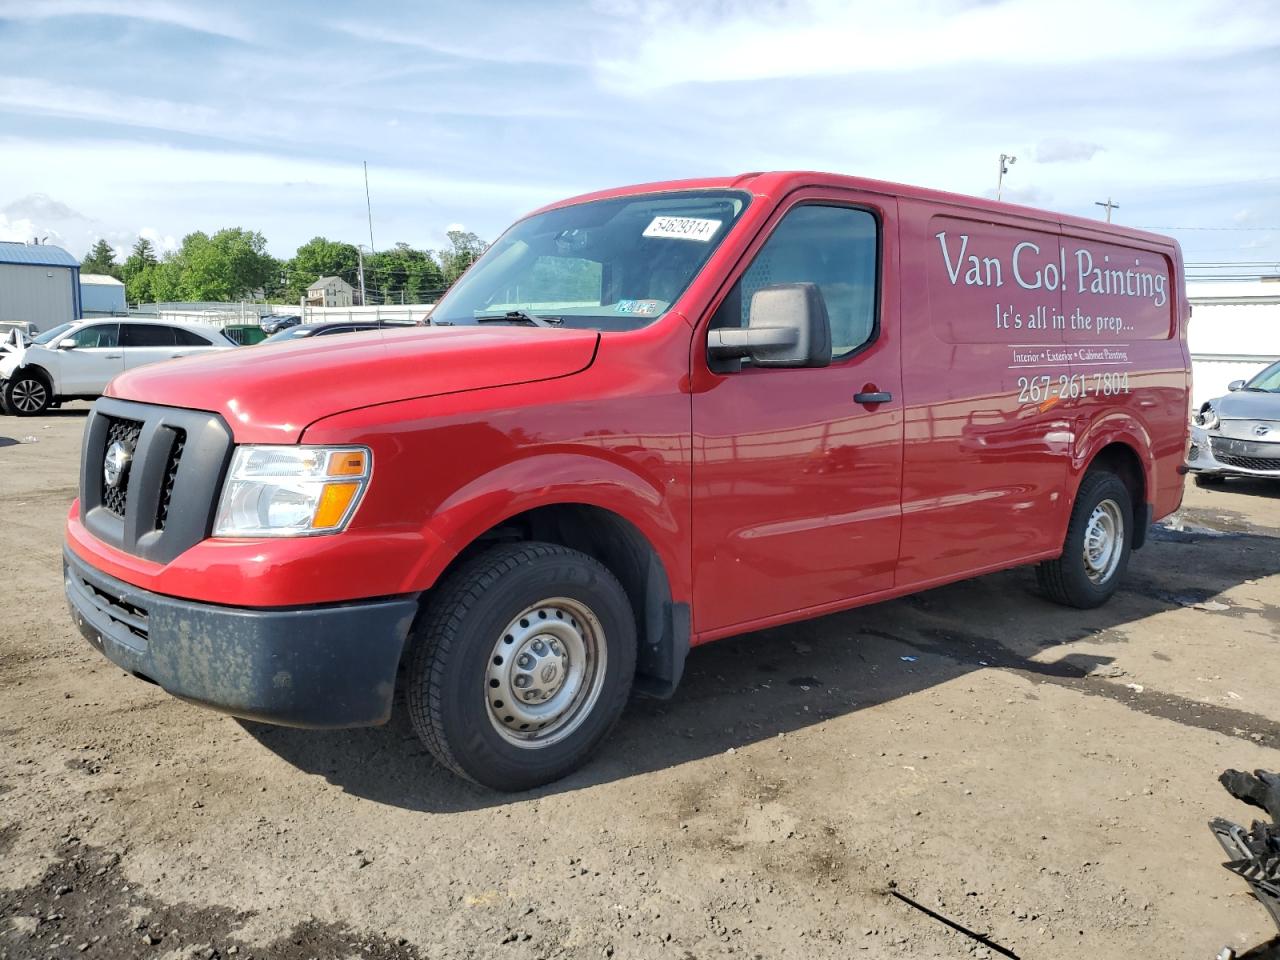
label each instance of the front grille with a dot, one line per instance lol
(127, 433)
(1249, 463)
(1194, 452)
(164, 503)
(170, 476)
(1245, 454)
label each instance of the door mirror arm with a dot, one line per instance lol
(787, 327)
(730, 342)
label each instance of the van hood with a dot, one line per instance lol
(270, 393)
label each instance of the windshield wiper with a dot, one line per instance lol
(519, 316)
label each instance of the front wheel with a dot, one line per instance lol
(26, 395)
(522, 664)
(1096, 550)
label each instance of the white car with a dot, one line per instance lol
(77, 360)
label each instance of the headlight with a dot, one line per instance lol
(291, 491)
(1207, 417)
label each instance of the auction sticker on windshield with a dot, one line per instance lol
(683, 228)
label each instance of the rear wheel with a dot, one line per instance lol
(27, 395)
(523, 663)
(1096, 550)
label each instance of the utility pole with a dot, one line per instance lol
(1109, 205)
(360, 258)
(1005, 160)
(368, 206)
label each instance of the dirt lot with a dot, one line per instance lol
(1037, 775)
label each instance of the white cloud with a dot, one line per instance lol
(24, 230)
(189, 16)
(41, 206)
(162, 242)
(45, 98)
(674, 42)
(1064, 150)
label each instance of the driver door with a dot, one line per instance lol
(87, 368)
(797, 471)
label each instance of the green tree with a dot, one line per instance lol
(137, 271)
(464, 249)
(319, 257)
(230, 265)
(101, 259)
(403, 274)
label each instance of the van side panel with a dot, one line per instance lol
(1126, 310)
(987, 456)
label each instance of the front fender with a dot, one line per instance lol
(548, 479)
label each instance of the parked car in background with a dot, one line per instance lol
(306, 330)
(274, 324)
(76, 361)
(1238, 435)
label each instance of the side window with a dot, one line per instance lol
(188, 338)
(98, 335)
(146, 335)
(833, 247)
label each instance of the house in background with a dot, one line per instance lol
(101, 296)
(330, 292)
(39, 285)
(1234, 332)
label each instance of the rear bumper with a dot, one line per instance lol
(321, 666)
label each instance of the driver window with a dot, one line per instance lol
(832, 247)
(98, 335)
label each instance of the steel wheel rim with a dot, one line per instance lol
(1103, 541)
(28, 395)
(545, 673)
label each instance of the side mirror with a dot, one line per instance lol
(788, 327)
(67, 344)
(1235, 385)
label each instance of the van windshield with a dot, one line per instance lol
(614, 264)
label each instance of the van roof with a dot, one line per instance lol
(779, 183)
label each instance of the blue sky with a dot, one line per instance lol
(159, 117)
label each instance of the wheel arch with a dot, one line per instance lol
(663, 622)
(1120, 456)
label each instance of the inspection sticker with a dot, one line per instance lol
(683, 228)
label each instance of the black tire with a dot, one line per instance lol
(1210, 479)
(1067, 579)
(27, 395)
(456, 647)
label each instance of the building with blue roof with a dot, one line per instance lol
(39, 284)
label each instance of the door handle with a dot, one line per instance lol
(113, 356)
(872, 396)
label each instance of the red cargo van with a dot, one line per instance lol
(646, 418)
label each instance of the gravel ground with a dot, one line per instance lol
(1039, 776)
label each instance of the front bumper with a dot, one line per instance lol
(1230, 457)
(316, 666)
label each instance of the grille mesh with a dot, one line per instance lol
(126, 432)
(170, 475)
(1249, 463)
(1222, 448)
